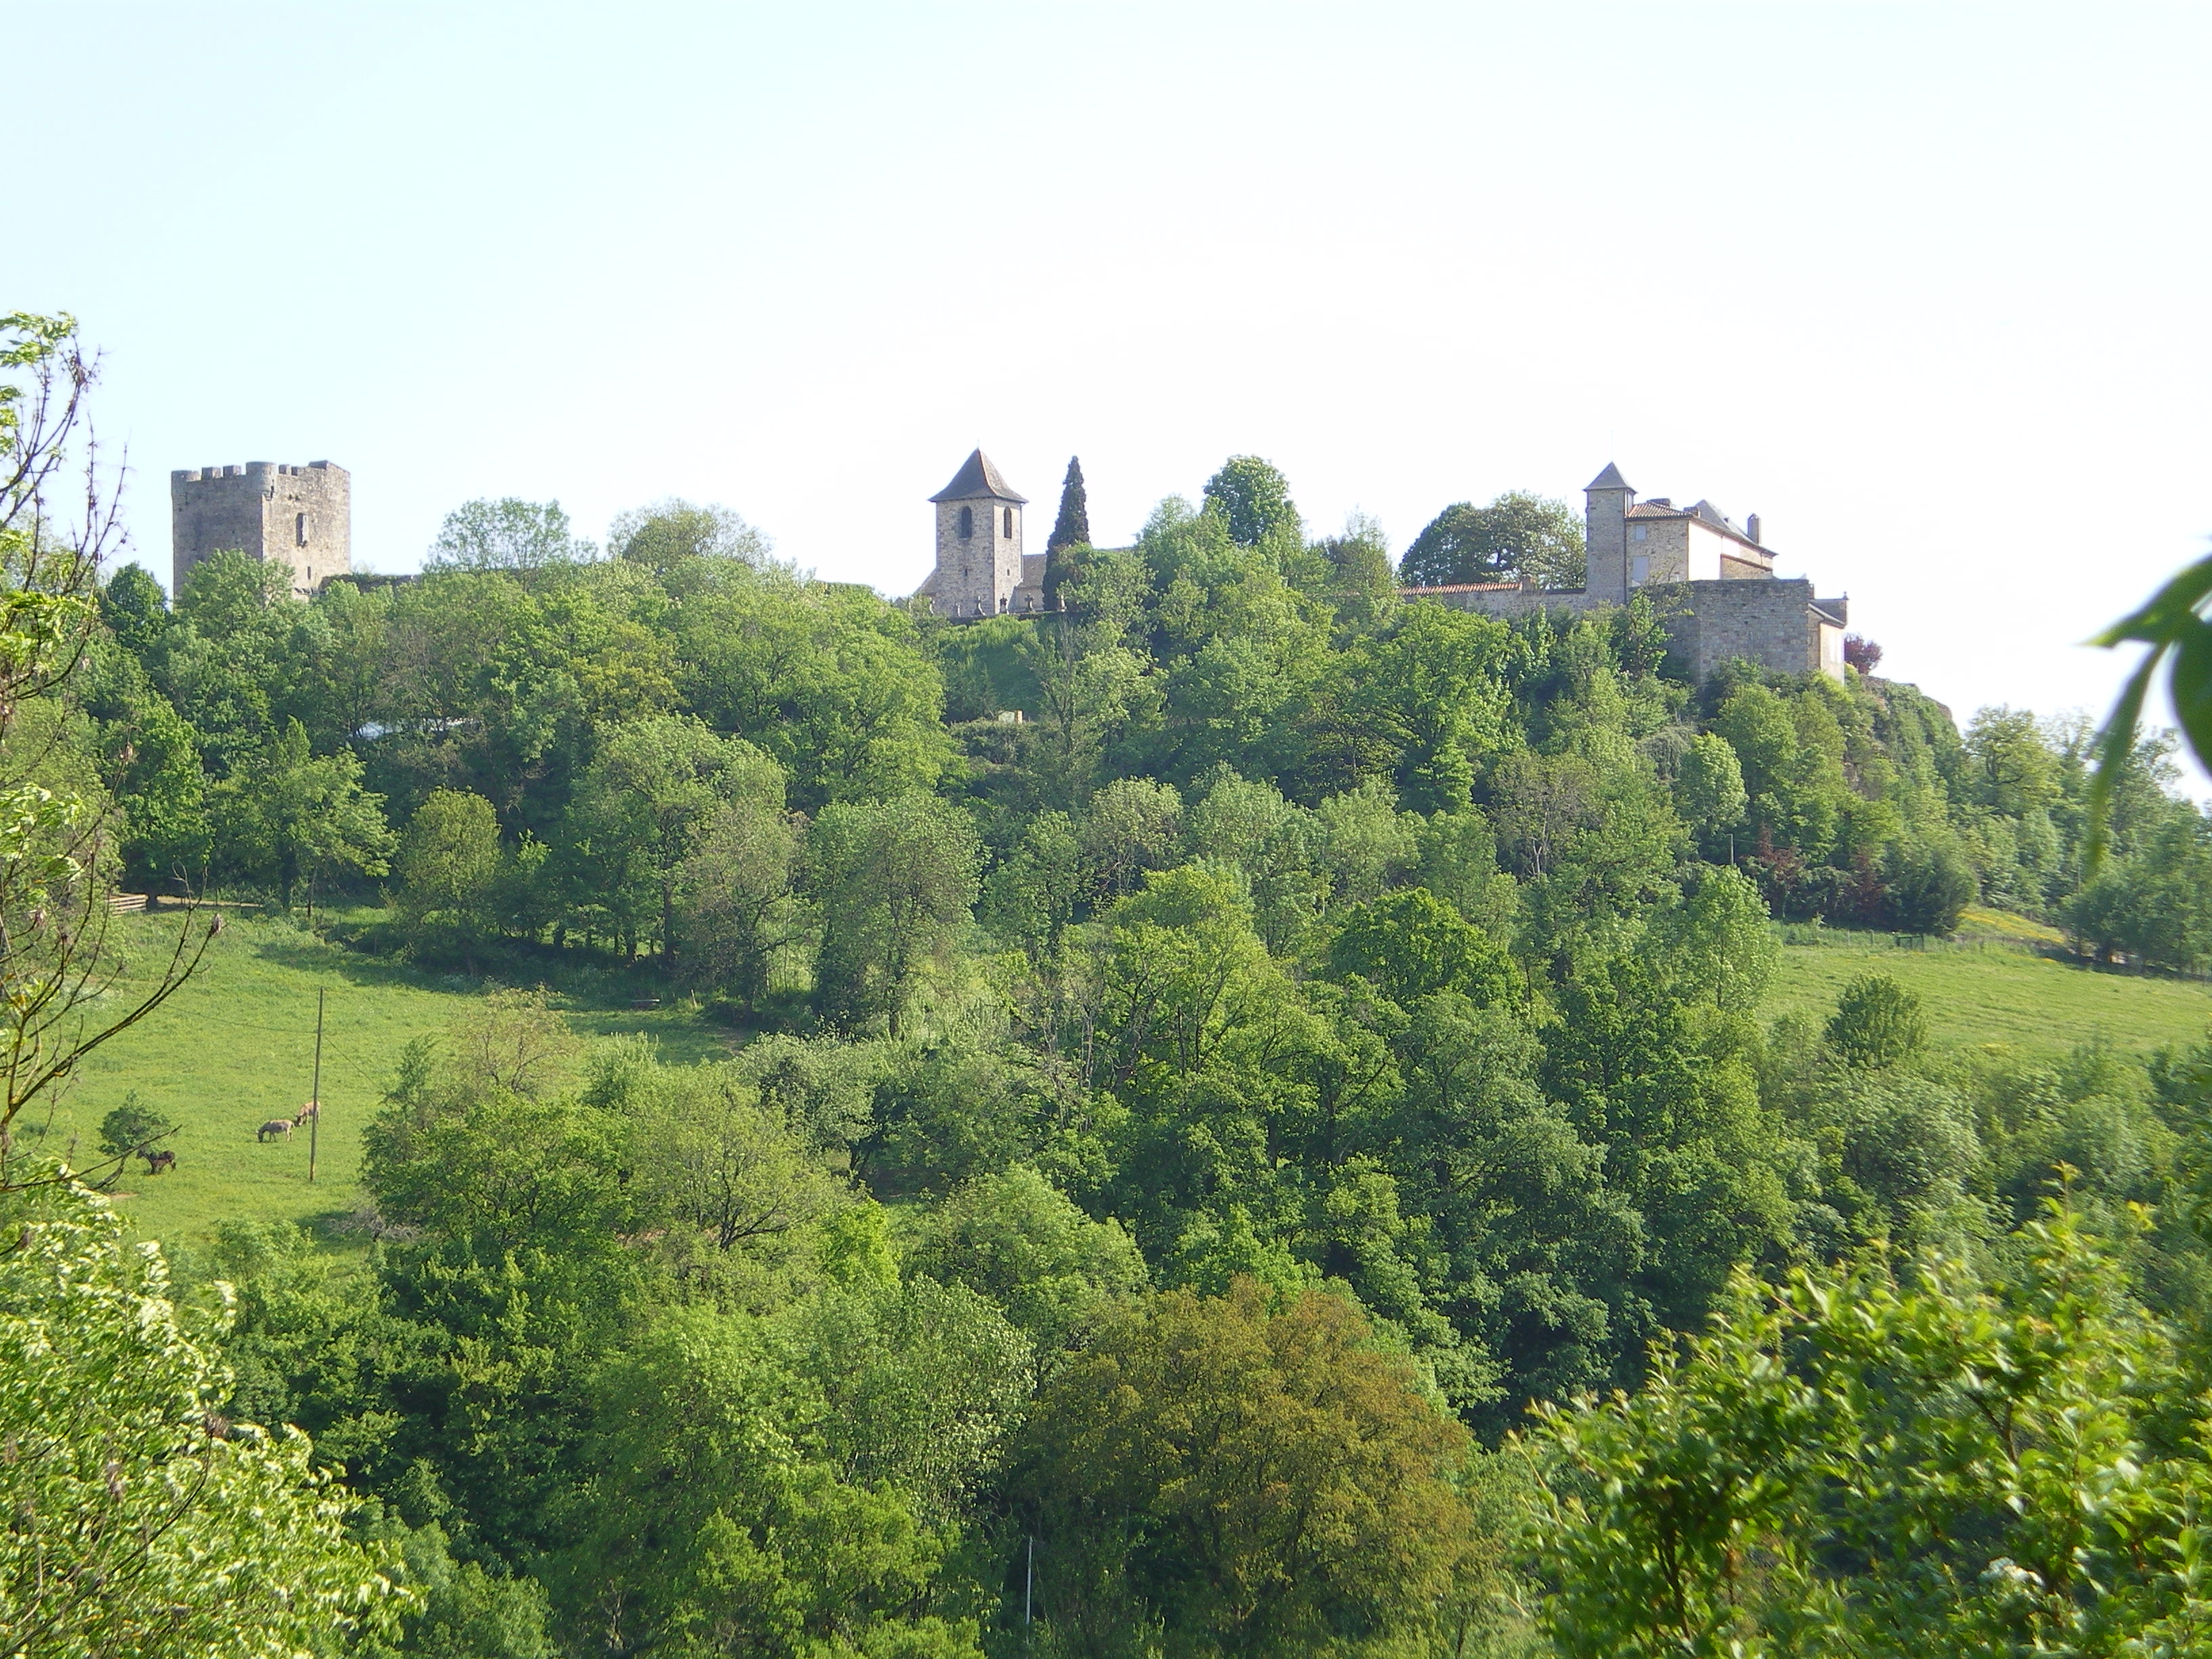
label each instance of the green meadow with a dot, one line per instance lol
(1991, 985)
(235, 1047)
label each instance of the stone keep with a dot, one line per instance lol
(302, 516)
(979, 543)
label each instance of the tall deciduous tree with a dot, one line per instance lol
(135, 609)
(640, 811)
(740, 909)
(449, 868)
(57, 830)
(291, 815)
(1258, 1478)
(508, 534)
(892, 881)
(1255, 498)
(664, 534)
(1518, 537)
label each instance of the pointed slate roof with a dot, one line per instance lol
(1609, 479)
(977, 480)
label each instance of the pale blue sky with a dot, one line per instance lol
(1923, 285)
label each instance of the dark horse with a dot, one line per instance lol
(157, 1162)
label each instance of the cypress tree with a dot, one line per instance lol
(1071, 530)
(1073, 527)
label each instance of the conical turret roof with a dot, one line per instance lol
(977, 480)
(1609, 479)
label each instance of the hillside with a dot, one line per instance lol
(235, 1047)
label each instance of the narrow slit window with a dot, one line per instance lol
(299, 529)
(1009, 522)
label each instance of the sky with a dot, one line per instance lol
(1921, 284)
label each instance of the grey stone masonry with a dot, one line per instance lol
(1711, 585)
(300, 516)
(979, 544)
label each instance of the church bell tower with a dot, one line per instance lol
(979, 542)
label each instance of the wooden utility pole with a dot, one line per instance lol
(315, 1095)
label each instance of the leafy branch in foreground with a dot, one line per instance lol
(2174, 624)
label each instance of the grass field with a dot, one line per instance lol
(235, 1047)
(1990, 987)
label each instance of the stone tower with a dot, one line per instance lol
(1606, 498)
(300, 515)
(979, 542)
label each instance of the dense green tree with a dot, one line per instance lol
(709, 1155)
(893, 880)
(831, 683)
(713, 1520)
(737, 893)
(1914, 1460)
(1518, 537)
(1709, 790)
(135, 609)
(1720, 945)
(1410, 945)
(1929, 884)
(2155, 904)
(289, 816)
(508, 534)
(1015, 1238)
(1877, 1024)
(1243, 1477)
(641, 809)
(1253, 497)
(664, 534)
(1423, 702)
(133, 1126)
(449, 868)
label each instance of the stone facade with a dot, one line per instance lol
(302, 516)
(1711, 583)
(982, 570)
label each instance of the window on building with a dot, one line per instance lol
(1639, 570)
(967, 523)
(1640, 532)
(1009, 523)
(299, 529)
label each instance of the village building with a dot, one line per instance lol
(1710, 581)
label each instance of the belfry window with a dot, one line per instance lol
(1009, 522)
(967, 523)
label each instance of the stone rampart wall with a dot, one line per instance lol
(1768, 622)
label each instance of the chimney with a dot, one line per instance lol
(1751, 529)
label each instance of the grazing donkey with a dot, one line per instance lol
(157, 1162)
(276, 1126)
(312, 1108)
